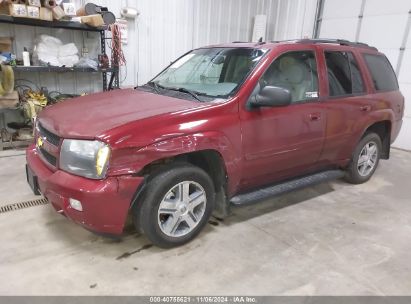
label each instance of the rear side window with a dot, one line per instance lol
(382, 73)
(344, 77)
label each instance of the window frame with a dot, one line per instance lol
(303, 101)
(355, 57)
(363, 54)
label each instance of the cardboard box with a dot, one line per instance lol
(18, 10)
(9, 100)
(5, 44)
(69, 9)
(93, 20)
(4, 9)
(46, 14)
(33, 3)
(33, 12)
(58, 12)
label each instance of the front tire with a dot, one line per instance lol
(365, 159)
(176, 204)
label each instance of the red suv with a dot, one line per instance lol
(226, 124)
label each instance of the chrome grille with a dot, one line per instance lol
(50, 137)
(52, 160)
(47, 145)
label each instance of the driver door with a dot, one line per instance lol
(284, 141)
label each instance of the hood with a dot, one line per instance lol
(92, 115)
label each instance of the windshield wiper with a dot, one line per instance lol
(184, 90)
(154, 85)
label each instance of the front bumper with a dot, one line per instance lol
(105, 202)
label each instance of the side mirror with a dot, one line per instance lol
(270, 96)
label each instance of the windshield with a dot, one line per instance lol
(214, 72)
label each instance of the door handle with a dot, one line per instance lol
(365, 108)
(315, 116)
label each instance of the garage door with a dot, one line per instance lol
(380, 23)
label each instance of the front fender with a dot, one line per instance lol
(133, 160)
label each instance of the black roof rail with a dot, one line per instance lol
(259, 42)
(333, 41)
(336, 41)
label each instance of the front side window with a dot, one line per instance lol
(296, 72)
(344, 76)
(382, 73)
(215, 72)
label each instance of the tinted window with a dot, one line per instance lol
(296, 72)
(344, 76)
(382, 73)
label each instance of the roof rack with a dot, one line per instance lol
(259, 42)
(333, 41)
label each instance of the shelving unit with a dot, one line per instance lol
(53, 24)
(60, 69)
(113, 71)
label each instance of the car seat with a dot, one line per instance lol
(291, 74)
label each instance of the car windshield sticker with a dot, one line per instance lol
(311, 94)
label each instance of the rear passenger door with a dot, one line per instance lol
(346, 104)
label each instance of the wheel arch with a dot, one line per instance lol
(383, 130)
(210, 160)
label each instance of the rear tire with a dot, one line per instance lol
(365, 159)
(176, 204)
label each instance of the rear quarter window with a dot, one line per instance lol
(382, 73)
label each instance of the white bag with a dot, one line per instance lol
(68, 50)
(69, 61)
(51, 51)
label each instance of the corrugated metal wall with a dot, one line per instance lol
(166, 29)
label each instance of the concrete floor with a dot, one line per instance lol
(331, 239)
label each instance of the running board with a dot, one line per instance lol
(285, 187)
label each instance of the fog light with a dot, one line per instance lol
(75, 204)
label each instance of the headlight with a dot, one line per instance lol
(85, 158)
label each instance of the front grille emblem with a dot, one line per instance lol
(40, 142)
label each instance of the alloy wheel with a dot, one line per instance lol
(367, 159)
(182, 209)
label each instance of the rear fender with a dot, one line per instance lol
(363, 125)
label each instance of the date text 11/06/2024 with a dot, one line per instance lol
(205, 299)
